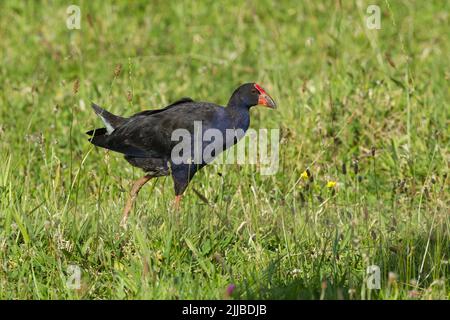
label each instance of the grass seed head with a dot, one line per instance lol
(117, 70)
(76, 86)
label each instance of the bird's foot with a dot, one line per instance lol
(177, 202)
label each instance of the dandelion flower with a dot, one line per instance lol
(304, 175)
(331, 184)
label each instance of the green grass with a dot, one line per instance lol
(368, 109)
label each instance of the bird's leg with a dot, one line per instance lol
(177, 201)
(180, 182)
(138, 184)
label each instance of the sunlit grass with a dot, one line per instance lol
(363, 176)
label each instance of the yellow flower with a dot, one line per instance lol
(304, 175)
(331, 184)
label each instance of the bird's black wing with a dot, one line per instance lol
(149, 134)
(150, 112)
(115, 121)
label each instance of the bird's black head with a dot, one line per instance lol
(249, 95)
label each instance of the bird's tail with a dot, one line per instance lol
(110, 120)
(99, 136)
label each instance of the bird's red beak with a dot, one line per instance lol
(264, 99)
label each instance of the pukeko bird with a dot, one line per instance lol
(146, 137)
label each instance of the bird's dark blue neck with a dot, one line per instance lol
(239, 114)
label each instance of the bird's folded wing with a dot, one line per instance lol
(151, 135)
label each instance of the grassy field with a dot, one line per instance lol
(367, 109)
